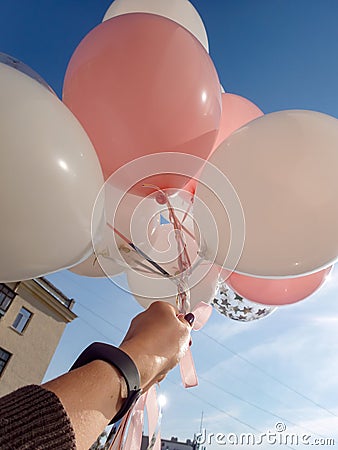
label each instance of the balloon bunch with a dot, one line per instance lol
(147, 167)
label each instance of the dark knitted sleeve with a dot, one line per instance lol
(33, 418)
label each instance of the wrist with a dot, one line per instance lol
(117, 363)
(149, 366)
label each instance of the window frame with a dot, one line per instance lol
(15, 327)
(9, 295)
(2, 370)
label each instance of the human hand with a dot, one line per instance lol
(156, 341)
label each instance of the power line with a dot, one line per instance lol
(267, 374)
(242, 422)
(256, 388)
(238, 397)
(96, 294)
(96, 329)
(188, 391)
(101, 318)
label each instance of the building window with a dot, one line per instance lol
(4, 358)
(21, 320)
(6, 298)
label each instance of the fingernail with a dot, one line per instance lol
(189, 318)
(190, 343)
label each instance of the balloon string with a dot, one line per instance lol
(188, 210)
(140, 252)
(184, 263)
(188, 232)
(105, 254)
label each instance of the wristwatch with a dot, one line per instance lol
(122, 362)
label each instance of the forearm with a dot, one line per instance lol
(91, 396)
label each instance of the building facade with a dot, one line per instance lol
(33, 316)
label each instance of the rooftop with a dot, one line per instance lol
(55, 292)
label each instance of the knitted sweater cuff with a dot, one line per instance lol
(33, 418)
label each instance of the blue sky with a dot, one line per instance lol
(281, 54)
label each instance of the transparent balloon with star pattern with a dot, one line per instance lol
(228, 303)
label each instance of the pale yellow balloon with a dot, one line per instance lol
(284, 168)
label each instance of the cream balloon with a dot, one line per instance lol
(180, 11)
(50, 177)
(284, 168)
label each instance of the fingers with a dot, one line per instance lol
(162, 308)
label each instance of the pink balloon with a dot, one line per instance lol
(237, 111)
(280, 291)
(142, 84)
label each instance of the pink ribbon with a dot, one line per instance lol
(153, 416)
(202, 313)
(129, 434)
(117, 443)
(134, 436)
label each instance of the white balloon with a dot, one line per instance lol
(180, 11)
(22, 67)
(49, 177)
(284, 168)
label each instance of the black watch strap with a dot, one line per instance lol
(122, 362)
